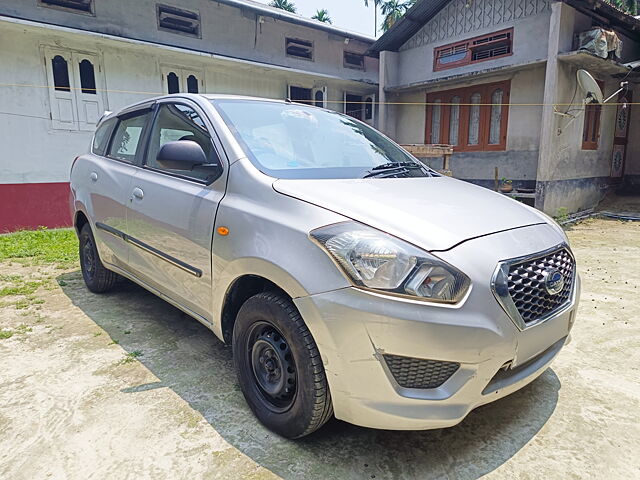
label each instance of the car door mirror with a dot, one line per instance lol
(181, 155)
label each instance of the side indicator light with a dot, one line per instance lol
(224, 231)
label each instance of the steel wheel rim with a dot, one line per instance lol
(88, 258)
(271, 363)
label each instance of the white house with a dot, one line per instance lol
(64, 62)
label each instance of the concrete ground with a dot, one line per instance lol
(125, 386)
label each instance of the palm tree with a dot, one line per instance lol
(283, 5)
(393, 10)
(376, 3)
(322, 16)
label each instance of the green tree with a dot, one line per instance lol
(322, 16)
(283, 5)
(393, 10)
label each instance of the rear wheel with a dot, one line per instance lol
(96, 276)
(279, 366)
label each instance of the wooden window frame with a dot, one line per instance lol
(591, 124)
(469, 47)
(486, 90)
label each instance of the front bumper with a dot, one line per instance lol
(355, 328)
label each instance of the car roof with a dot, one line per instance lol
(192, 96)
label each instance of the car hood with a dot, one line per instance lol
(435, 213)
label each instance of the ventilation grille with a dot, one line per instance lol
(299, 48)
(419, 373)
(178, 20)
(78, 5)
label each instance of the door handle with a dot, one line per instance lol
(138, 193)
(93, 177)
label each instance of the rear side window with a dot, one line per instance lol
(101, 137)
(126, 140)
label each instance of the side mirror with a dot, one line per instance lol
(181, 155)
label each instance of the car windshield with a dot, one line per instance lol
(295, 141)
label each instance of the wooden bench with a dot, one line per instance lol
(420, 150)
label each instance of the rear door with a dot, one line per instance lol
(171, 216)
(118, 145)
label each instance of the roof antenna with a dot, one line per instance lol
(288, 100)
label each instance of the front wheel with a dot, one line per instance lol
(279, 367)
(96, 276)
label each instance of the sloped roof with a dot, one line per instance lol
(284, 15)
(412, 21)
(424, 10)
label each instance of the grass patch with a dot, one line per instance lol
(5, 334)
(21, 287)
(131, 357)
(43, 246)
(21, 329)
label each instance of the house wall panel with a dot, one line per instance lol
(456, 22)
(225, 30)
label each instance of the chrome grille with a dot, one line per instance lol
(526, 285)
(419, 373)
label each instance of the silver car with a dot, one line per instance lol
(351, 280)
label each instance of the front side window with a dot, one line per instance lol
(177, 122)
(296, 141)
(126, 139)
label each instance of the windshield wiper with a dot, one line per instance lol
(392, 168)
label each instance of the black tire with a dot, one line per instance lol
(97, 278)
(279, 367)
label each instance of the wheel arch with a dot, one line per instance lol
(243, 279)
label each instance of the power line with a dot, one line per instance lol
(511, 104)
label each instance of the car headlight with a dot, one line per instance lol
(376, 260)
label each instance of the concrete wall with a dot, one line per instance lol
(577, 179)
(34, 151)
(225, 30)
(632, 162)
(457, 22)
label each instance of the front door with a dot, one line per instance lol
(171, 216)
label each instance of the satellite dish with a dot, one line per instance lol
(591, 89)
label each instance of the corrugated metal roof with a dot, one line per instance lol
(425, 10)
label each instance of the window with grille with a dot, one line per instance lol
(81, 6)
(299, 48)
(354, 60)
(178, 20)
(471, 119)
(478, 49)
